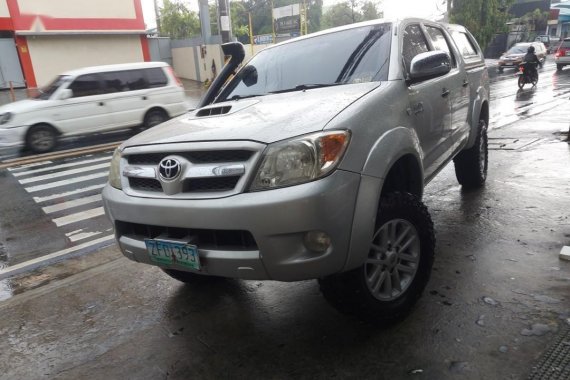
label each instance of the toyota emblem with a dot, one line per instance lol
(169, 169)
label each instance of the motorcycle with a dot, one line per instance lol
(527, 75)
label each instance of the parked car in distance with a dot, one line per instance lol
(562, 55)
(299, 169)
(514, 56)
(90, 100)
(550, 42)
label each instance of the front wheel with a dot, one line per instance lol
(41, 139)
(386, 286)
(471, 164)
(521, 81)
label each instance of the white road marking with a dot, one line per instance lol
(73, 232)
(51, 258)
(64, 173)
(51, 185)
(74, 218)
(29, 165)
(71, 204)
(62, 166)
(67, 194)
(83, 235)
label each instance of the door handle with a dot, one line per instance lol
(465, 83)
(101, 104)
(144, 98)
(445, 92)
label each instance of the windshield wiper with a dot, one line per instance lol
(238, 97)
(305, 87)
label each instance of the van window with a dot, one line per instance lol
(121, 81)
(86, 85)
(156, 77)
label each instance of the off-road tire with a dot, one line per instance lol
(191, 278)
(41, 138)
(471, 164)
(349, 292)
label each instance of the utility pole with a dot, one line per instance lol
(157, 16)
(225, 24)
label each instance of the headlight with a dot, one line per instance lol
(5, 117)
(115, 170)
(300, 160)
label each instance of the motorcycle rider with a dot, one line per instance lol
(531, 61)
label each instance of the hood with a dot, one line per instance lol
(23, 106)
(264, 119)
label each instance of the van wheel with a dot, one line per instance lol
(191, 278)
(41, 138)
(385, 288)
(471, 164)
(154, 117)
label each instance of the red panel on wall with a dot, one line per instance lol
(145, 49)
(6, 23)
(26, 61)
(25, 22)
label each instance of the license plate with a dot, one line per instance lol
(172, 253)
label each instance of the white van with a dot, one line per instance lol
(93, 99)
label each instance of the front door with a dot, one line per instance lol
(86, 111)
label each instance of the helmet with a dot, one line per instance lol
(530, 49)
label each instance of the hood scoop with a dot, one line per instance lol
(213, 111)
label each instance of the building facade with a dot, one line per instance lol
(40, 39)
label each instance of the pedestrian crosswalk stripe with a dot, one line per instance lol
(64, 174)
(22, 167)
(62, 166)
(67, 193)
(70, 181)
(71, 204)
(74, 218)
(83, 235)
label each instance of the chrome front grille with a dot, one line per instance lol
(202, 170)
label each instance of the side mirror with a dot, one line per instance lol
(249, 76)
(66, 94)
(429, 65)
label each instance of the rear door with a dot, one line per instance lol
(86, 111)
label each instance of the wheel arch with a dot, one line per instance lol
(480, 111)
(394, 164)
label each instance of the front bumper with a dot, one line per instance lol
(277, 219)
(12, 137)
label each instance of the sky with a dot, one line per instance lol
(392, 8)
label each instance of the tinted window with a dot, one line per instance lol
(414, 43)
(156, 77)
(355, 55)
(466, 47)
(440, 42)
(86, 85)
(120, 81)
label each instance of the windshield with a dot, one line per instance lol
(46, 92)
(356, 55)
(518, 49)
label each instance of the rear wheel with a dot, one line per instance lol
(41, 138)
(471, 164)
(500, 69)
(385, 288)
(154, 117)
(559, 67)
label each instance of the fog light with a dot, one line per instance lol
(317, 241)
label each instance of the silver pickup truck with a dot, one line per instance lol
(309, 162)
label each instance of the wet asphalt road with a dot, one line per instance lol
(497, 297)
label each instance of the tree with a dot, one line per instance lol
(370, 11)
(483, 18)
(338, 15)
(177, 21)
